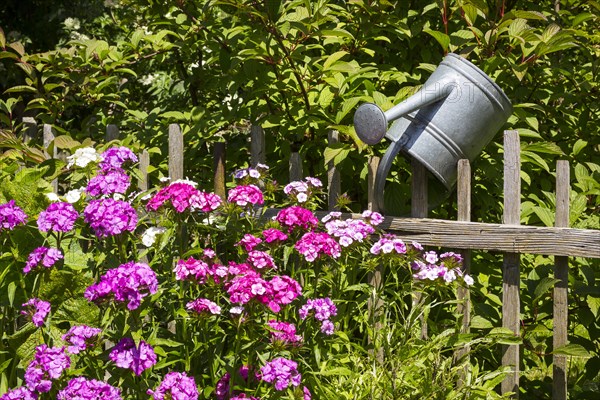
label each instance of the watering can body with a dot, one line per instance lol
(454, 116)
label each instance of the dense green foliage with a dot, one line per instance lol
(300, 68)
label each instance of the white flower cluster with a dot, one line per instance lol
(82, 157)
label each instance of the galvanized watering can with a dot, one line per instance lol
(454, 116)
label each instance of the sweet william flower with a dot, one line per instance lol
(297, 217)
(130, 282)
(149, 236)
(203, 306)
(11, 215)
(46, 256)
(58, 217)
(110, 217)
(48, 364)
(137, 358)
(81, 388)
(109, 182)
(282, 372)
(20, 393)
(245, 195)
(175, 386)
(82, 157)
(80, 337)
(116, 157)
(37, 309)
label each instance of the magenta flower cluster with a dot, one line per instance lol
(273, 235)
(314, 244)
(109, 217)
(58, 217)
(11, 215)
(443, 268)
(80, 337)
(347, 231)
(249, 242)
(20, 393)
(323, 309)
(261, 260)
(245, 195)
(282, 372)
(203, 306)
(37, 309)
(129, 282)
(137, 358)
(297, 217)
(176, 386)
(284, 332)
(280, 291)
(109, 182)
(47, 364)
(81, 388)
(46, 256)
(116, 157)
(222, 386)
(183, 196)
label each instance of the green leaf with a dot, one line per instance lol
(2, 38)
(66, 142)
(545, 215)
(326, 97)
(543, 287)
(573, 350)
(594, 304)
(333, 58)
(442, 38)
(478, 322)
(578, 146)
(336, 152)
(21, 89)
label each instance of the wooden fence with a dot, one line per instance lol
(510, 238)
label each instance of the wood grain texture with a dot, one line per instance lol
(371, 172)
(511, 301)
(561, 272)
(219, 169)
(112, 132)
(30, 132)
(257, 145)
(418, 209)
(143, 167)
(175, 152)
(296, 173)
(48, 137)
(334, 186)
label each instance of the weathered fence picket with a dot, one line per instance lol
(334, 188)
(419, 209)
(561, 273)
(510, 237)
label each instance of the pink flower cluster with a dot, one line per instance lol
(389, 244)
(129, 282)
(58, 217)
(245, 195)
(203, 306)
(272, 235)
(115, 157)
(110, 182)
(47, 256)
(11, 215)
(284, 332)
(137, 358)
(249, 242)
(192, 268)
(301, 191)
(175, 386)
(80, 337)
(81, 388)
(323, 309)
(297, 217)
(282, 372)
(281, 290)
(109, 217)
(37, 309)
(184, 196)
(372, 217)
(20, 393)
(347, 231)
(447, 271)
(222, 386)
(47, 364)
(261, 260)
(314, 244)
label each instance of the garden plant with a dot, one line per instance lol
(298, 69)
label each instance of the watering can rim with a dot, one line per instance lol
(453, 56)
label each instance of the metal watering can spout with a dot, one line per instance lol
(454, 116)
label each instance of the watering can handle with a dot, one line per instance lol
(371, 122)
(376, 128)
